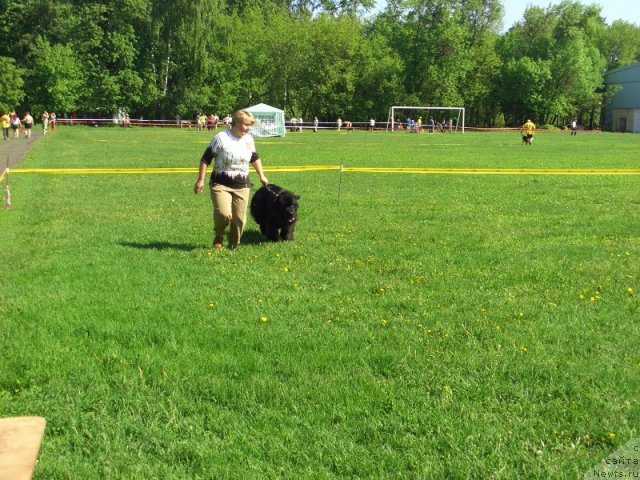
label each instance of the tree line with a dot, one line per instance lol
(324, 58)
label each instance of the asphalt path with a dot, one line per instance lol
(13, 150)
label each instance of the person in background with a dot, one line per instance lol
(201, 120)
(45, 122)
(315, 124)
(15, 124)
(52, 121)
(529, 131)
(6, 124)
(574, 127)
(28, 125)
(233, 151)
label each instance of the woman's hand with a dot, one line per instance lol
(197, 188)
(264, 181)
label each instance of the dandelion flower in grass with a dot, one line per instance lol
(285, 269)
(523, 348)
(264, 319)
(629, 290)
(611, 435)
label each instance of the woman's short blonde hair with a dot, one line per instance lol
(243, 117)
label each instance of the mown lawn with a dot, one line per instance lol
(420, 325)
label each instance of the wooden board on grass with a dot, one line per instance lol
(20, 439)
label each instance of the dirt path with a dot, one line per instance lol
(12, 150)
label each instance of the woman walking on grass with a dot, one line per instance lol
(233, 151)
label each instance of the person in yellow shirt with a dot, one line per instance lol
(6, 123)
(529, 131)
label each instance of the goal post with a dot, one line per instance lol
(451, 112)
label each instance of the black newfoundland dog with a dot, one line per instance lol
(276, 211)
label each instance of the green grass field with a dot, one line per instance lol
(421, 326)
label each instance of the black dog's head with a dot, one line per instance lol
(287, 205)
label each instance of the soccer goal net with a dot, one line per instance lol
(431, 119)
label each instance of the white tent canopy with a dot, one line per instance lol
(269, 121)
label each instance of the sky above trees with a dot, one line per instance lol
(628, 10)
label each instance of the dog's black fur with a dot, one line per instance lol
(276, 211)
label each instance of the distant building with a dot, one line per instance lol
(622, 114)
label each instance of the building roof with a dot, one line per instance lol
(630, 66)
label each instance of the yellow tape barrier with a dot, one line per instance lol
(312, 168)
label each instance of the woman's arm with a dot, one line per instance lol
(205, 161)
(257, 166)
(202, 171)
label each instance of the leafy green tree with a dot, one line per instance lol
(275, 53)
(521, 89)
(379, 78)
(11, 92)
(447, 48)
(56, 78)
(481, 21)
(201, 57)
(327, 81)
(311, 8)
(564, 65)
(312, 57)
(620, 44)
(104, 38)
